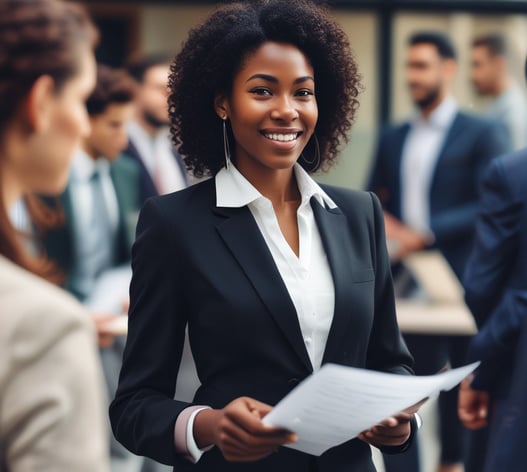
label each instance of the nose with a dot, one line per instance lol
(284, 109)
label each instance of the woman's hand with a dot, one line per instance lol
(393, 431)
(237, 430)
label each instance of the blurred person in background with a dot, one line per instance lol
(426, 173)
(51, 386)
(102, 196)
(495, 283)
(162, 169)
(101, 205)
(492, 77)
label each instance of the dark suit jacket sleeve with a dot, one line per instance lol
(386, 341)
(490, 143)
(387, 350)
(497, 340)
(143, 413)
(497, 239)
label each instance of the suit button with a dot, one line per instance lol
(293, 381)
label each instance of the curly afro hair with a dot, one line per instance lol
(215, 51)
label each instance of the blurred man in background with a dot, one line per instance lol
(162, 170)
(426, 174)
(491, 77)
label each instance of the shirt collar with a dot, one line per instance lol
(233, 190)
(442, 116)
(83, 166)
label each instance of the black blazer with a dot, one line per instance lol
(210, 268)
(469, 146)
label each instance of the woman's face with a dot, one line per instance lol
(272, 108)
(44, 167)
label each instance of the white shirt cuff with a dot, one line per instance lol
(194, 451)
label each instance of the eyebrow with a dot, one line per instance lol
(270, 78)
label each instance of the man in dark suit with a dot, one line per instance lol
(426, 173)
(496, 291)
(150, 145)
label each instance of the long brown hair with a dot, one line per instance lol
(37, 37)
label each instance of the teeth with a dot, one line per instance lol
(281, 137)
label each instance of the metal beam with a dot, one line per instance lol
(516, 6)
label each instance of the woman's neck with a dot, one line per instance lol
(278, 185)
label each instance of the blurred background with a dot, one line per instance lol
(378, 30)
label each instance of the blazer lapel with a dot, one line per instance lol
(456, 128)
(242, 236)
(334, 232)
(395, 166)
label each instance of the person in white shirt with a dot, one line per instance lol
(492, 77)
(162, 170)
(273, 274)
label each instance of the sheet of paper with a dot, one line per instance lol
(337, 403)
(110, 291)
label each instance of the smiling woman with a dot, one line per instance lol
(221, 49)
(259, 262)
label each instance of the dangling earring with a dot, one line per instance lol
(315, 162)
(226, 146)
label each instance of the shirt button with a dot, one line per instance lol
(314, 314)
(308, 340)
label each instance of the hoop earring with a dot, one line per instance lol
(226, 146)
(315, 162)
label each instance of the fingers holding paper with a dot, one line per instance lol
(237, 430)
(393, 431)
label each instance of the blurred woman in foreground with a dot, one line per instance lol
(51, 393)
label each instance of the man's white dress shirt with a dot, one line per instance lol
(89, 223)
(421, 150)
(157, 154)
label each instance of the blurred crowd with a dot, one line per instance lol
(84, 145)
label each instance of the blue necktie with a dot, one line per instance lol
(101, 243)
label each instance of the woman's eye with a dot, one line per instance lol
(304, 93)
(261, 91)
